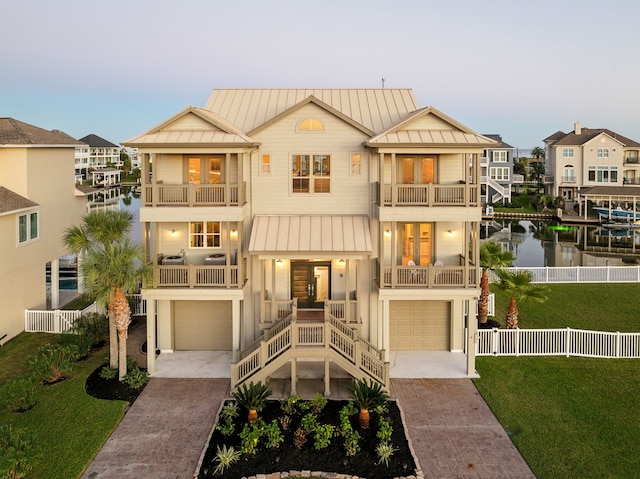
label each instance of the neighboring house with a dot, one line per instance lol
(588, 157)
(38, 202)
(270, 208)
(497, 171)
(101, 153)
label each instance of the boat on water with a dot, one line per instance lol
(617, 213)
(621, 225)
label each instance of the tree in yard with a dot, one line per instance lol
(111, 267)
(520, 287)
(537, 153)
(491, 256)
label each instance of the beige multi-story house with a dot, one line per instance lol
(38, 201)
(336, 224)
(590, 157)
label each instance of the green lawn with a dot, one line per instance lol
(69, 427)
(570, 417)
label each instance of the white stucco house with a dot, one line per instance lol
(335, 224)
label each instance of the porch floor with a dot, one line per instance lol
(403, 364)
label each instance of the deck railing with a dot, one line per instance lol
(557, 342)
(191, 275)
(192, 195)
(578, 274)
(430, 195)
(430, 276)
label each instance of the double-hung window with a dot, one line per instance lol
(28, 227)
(602, 153)
(311, 173)
(205, 234)
(499, 174)
(567, 152)
(500, 156)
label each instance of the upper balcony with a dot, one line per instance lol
(193, 195)
(428, 195)
(430, 276)
(216, 272)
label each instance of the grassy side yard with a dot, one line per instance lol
(67, 425)
(570, 417)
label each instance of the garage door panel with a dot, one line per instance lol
(419, 325)
(202, 325)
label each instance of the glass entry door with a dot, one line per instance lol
(310, 284)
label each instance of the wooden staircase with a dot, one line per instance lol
(293, 338)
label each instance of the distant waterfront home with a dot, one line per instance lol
(337, 224)
(497, 171)
(38, 201)
(100, 153)
(590, 157)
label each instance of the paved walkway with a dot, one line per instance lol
(453, 432)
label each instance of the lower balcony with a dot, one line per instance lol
(430, 276)
(192, 276)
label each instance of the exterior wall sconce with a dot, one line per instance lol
(234, 234)
(387, 233)
(173, 233)
(279, 262)
(450, 234)
(341, 262)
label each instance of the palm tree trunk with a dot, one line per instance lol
(113, 340)
(512, 314)
(122, 354)
(483, 302)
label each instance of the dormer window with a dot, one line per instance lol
(310, 124)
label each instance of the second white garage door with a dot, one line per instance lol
(202, 325)
(419, 325)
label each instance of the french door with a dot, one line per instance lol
(310, 283)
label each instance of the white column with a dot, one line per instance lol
(472, 338)
(55, 284)
(235, 332)
(151, 336)
(385, 329)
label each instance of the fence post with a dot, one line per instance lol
(56, 321)
(618, 338)
(494, 342)
(566, 342)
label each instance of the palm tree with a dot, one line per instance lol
(537, 153)
(111, 267)
(491, 256)
(520, 287)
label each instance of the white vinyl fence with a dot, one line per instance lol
(578, 274)
(557, 342)
(60, 320)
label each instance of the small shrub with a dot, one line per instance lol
(226, 427)
(384, 431)
(250, 436)
(309, 423)
(225, 457)
(299, 438)
(230, 410)
(285, 422)
(384, 451)
(273, 435)
(94, 327)
(318, 403)
(79, 347)
(290, 405)
(18, 454)
(108, 373)
(352, 443)
(51, 363)
(252, 397)
(20, 394)
(322, 435)
(136, 378)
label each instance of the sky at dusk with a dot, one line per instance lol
(520, 69)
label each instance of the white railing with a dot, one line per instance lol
(578, 274)
(557, 342)
(62, 320)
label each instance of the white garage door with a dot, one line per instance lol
(419, 325)
(202, 325)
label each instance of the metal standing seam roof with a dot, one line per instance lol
(373, 108)
(305, 234)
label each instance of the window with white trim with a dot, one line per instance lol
(603, 174)
(205, 234)
(567, 152)
(602, 153)
(311, 174)
(356, 163)
(499, 174)
(28, 227)
(265, 165)
(500, 156)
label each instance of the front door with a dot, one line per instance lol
(310, 284)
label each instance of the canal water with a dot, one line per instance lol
(548, 243)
